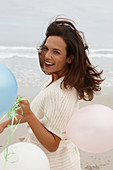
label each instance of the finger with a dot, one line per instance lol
(19, 111)
(18, 96)
(24, 102)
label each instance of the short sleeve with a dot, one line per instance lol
(60, 105)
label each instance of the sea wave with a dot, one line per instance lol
(10, 52)
(31, 52)
(101, 53)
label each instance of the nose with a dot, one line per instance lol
(48, 54)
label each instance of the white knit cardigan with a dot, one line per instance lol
(58, 106)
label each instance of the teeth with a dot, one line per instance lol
(48, 63)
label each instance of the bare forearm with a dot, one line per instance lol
(46, 138)
(20, 119)
(49, 140)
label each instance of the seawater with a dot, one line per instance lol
(23, 62)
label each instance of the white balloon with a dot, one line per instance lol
(24, 156)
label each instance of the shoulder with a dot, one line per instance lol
(65, 92)
(59, 97)
(57, 89)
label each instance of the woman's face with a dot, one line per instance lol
(54, 56)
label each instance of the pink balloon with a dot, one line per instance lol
(91, 128)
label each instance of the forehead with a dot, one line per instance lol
(55, 42)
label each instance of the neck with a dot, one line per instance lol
(54, 77)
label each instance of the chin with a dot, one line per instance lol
(47, 73)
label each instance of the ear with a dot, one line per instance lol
(70, 59)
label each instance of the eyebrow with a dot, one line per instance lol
(57, 49)
(53, 48)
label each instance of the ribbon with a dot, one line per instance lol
(50, 122)
(12, 115)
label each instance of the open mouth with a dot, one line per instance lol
(48, 64)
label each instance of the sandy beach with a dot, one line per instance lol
(89, 161)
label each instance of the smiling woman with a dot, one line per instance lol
(63, 57)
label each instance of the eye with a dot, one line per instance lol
(56, 52)
(44, 48)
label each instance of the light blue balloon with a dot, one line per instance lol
(8, 89)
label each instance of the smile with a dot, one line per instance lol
(48, 63)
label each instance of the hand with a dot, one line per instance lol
(25, 108)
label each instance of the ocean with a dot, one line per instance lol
(23, 62)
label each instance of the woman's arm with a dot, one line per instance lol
(4, 125)
(49, 140)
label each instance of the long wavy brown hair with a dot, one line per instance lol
(81, 74)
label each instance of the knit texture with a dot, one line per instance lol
(59, 105)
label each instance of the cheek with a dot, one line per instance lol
(41, 61)
(63, 64)
(61, 61)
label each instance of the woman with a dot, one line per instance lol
(63, 56)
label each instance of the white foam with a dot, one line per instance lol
(101, 53)
(9, 52)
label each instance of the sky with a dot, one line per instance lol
(23, 22)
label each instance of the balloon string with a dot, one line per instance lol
(9, 137)
(50, 122)
(3, 117)
(12, 115)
